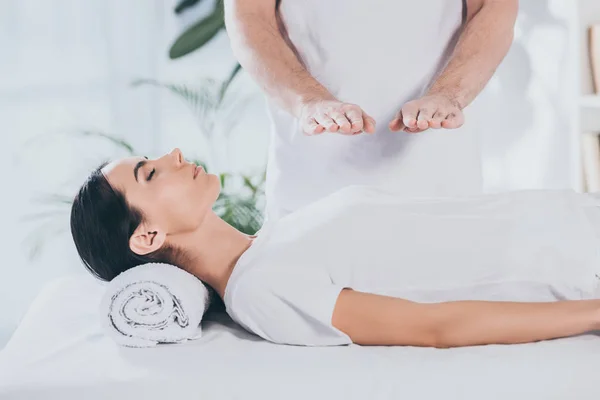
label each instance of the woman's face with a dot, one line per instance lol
(173, 194)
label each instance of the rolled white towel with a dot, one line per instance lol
(154, 303)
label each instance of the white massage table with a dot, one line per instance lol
(59, 352)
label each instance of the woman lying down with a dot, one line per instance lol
(361, 266)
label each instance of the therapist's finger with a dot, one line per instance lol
(326, 122)
(436, 121)
(312, 127)
(409, 114)
(354, 115)
(454, 120)
(425, 115)
(369, 123)
(396, 124)
(340, 119)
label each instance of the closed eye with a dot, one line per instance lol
(151, 174)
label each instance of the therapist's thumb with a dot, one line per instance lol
(369, 123)
(397, 124)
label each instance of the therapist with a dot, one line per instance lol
(353, 85)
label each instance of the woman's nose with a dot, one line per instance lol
(177, 155)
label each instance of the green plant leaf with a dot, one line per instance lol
(240, 212)
(37, 239)
(64, 213)
(201, 101)
(229, 114)
(248, 183)
(248, 217)
(227, 214)
(122, 143)
(183, 4)
(119, 142)
(198, 34)
(223, 177)
(53, 199)
(225, 85)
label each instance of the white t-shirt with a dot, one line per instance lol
(378, 54)
(520, 246)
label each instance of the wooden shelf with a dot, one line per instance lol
(590, 101)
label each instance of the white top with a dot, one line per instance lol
(378, 54)
(521, 246)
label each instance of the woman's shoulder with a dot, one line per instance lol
(285, 305)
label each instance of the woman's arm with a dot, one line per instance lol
(370, 319)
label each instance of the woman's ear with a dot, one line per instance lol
(146, 239)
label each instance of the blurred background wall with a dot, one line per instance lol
(67, 69)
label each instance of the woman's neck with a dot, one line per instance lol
(212, 251)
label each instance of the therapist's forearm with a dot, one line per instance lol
(264, 53)
(484, 42)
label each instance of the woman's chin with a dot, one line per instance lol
(214, 178)
(216, 183)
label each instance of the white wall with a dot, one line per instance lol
(67, 64)
(527, 114)
(589, 13)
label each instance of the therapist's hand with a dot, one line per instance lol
(321, 116)
(431, 111)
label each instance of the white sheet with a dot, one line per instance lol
(59, 352)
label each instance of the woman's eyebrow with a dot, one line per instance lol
(139, 165)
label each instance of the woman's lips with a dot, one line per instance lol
(197, 170)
